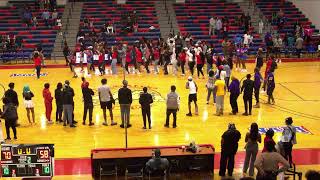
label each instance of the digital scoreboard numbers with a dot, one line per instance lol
(27, 160)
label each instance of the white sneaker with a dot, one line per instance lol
(105, 123)
(50, 122)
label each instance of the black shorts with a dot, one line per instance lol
(106, 105)
(192, 97)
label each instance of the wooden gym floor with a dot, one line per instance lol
(297, 95)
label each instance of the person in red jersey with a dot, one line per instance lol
(37, 63)
(47, 101)
(182, 59)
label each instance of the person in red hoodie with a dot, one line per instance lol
(101, 63)
(200, 62)
(47, 101)
(37, 63)
(139, 59)
(182, 59)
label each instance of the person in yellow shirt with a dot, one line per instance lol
(220, 89)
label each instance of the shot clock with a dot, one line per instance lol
(27, 160)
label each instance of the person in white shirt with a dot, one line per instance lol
(261, 25)
(247, 39)
(218, 26)
(174, 62)
(193, 88)
(106, 101)
(191, 61)
(288, 139)
(212, 26)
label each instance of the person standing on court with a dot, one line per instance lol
(247, 89)
(12, 96)
(145, 100)
(37, 63)
(257, 84)
(28, 103)
(106, 101)
(234, 90)
(59, 102)
(68, 94)
(220, 89)
(125, 100)
(288, 139)
(270, 87)
(229, 148)
(47, 101)
(173, 105)
(88, 104)
(252, 139)
(10, 116)
(193, 88)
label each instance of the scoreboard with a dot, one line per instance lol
(27, 160)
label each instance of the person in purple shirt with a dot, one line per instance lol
(234, 89)
(257, 84)
(270, 87)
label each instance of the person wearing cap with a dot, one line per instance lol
(229, 148)
(87, 94)
(288, 139)
(47, 101)
(68, 104)
(193, 88)
(220, 89)
(106, 101)
(145, 100)
(247, 89)
(156, 163)
(125, 100)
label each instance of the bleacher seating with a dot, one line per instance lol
(11, 21)
(193, 17)
(291, 13)
(108, 11)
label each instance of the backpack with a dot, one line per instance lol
(10, 112)
(172, 102)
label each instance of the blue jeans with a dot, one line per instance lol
(114, 66)
(67, 113)
(125, 113)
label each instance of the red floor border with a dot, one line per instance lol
(78, 166)
(30, 66)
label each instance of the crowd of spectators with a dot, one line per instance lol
(10, 43)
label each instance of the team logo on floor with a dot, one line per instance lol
(27, 74)
(279, 129)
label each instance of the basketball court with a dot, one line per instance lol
(296, 94)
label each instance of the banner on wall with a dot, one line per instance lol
(279, 129)
(27, 74)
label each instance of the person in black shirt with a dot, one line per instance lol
(247, 89)
(145, 100)
(59, 102)
(12, 96)
(229, 148)
(125, 100)
(88, 104)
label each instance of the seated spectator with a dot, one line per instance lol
(110, 29)
(157, 163)
(34, 21)
(46, 16)
(312, 175)
(86, 22)
(27, 15)
(54, 17)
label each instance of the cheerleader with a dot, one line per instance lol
(270, 87)
(243, 57)
(28, 103)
